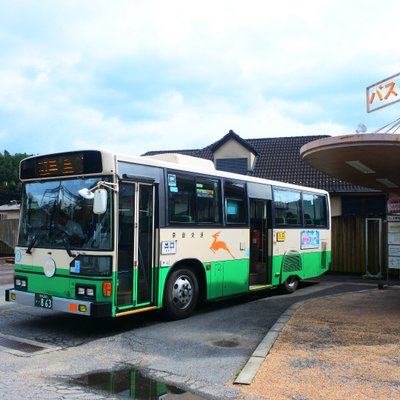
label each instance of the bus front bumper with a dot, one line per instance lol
(72, 306)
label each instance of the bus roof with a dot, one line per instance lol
(198, 165)
(179, 162)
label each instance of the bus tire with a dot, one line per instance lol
(181, 294)
(290, 285)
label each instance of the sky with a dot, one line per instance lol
(133, 76)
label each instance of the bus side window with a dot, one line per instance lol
(314, 207)
(287, 206)
(208, 200)
(235, 209)
(193, 199)
(181, 199)
(321, 211)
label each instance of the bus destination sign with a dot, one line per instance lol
(63, 164)
(59, 166)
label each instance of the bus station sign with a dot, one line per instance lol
(383, 93)
(393, 226)
(393, 205)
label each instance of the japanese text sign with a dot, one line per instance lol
(383, 93)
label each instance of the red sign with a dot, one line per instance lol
(393, 205)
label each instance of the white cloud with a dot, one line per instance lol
(133, 75)
(191, 125)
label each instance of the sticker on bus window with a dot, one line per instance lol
(280, 236)
(76, 267)
(205, 193)
(173, 189)
(171, 180)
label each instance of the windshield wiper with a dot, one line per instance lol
(32, 243)
(68, 248)
(65, 241)
(37, 236)
(50, 228)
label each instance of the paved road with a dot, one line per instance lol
(203, 353)
(6, 277)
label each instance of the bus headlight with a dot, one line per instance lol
(21, 283)
(85, 292)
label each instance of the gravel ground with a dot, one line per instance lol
(338, 347)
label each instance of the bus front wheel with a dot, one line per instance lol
(290, 285)
(181, 294)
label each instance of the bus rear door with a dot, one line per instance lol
(260, 274)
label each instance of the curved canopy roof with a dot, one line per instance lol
(370, 160)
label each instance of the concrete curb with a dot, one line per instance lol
(249, 371)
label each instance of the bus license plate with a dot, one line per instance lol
(43, 301)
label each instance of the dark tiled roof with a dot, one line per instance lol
(279, 159)
(232, 135)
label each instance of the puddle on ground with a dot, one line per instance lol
(226, 343)
(132, 384)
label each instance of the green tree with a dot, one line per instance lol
(10, 186)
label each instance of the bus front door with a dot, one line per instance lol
(135, 277)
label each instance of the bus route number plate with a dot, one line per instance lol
(168, 247)
(43, 301)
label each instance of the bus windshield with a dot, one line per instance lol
(55, 215)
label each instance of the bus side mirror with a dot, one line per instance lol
(100, 201)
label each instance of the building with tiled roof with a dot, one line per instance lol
(278, 159)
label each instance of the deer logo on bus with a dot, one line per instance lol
(219, 244)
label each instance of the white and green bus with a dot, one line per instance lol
(107, 235)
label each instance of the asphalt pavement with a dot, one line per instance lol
(203, 354)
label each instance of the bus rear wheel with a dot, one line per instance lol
(290, 285)
(181, 294)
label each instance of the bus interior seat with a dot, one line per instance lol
(291, 219)
(181, 218)
(307, 219)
